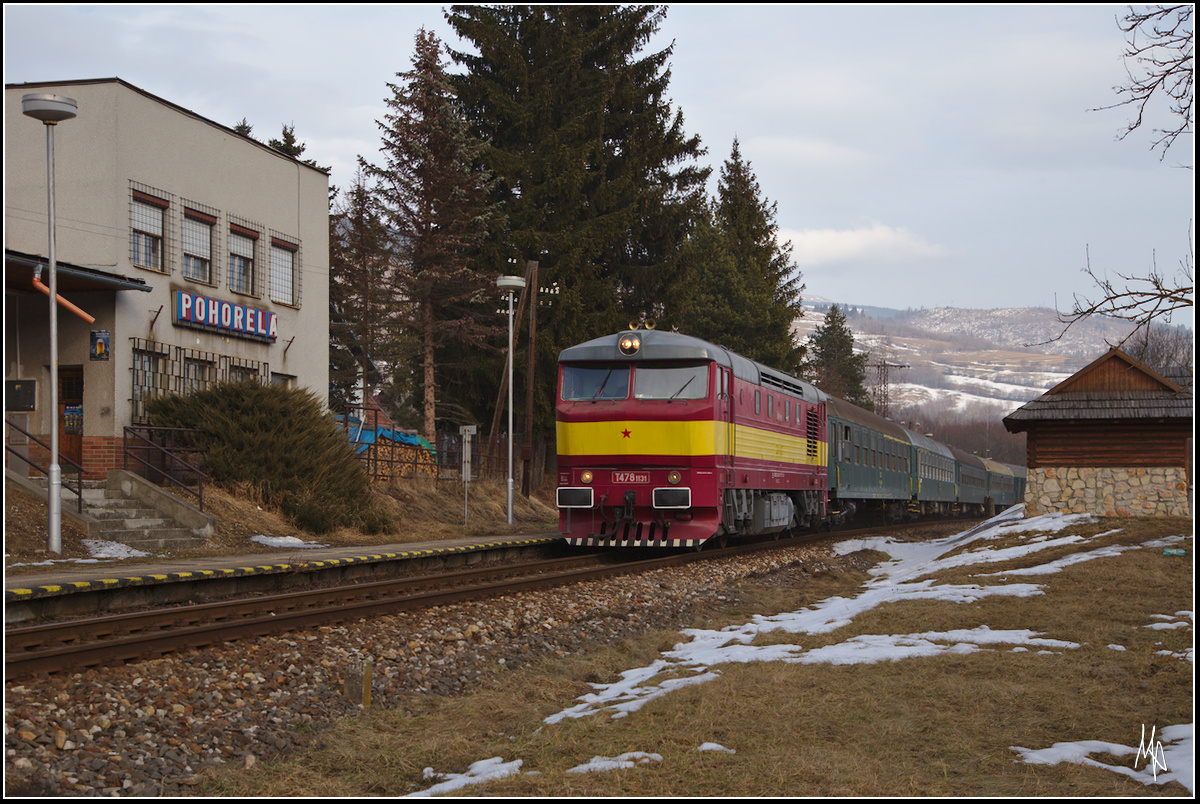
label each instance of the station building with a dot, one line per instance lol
(201, 254)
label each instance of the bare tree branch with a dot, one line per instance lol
(1159, 42)
(1138, 299)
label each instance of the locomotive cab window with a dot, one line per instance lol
(590, 383)
(671, 382)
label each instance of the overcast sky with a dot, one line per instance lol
(919, 155)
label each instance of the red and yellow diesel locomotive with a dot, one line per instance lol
(665, 440)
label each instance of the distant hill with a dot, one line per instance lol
(1035, 328)
(985, 363)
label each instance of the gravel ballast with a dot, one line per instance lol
(151, 728)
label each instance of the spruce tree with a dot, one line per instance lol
(713, 304)
(433, 197)
(288, 144)
(593, 169)
(364, 324)
(771, 280)
(832, 364)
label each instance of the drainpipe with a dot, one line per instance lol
(37, 283)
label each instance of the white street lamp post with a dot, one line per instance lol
(51, 109)
(510, 284)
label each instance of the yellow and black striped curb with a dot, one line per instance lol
(150, 579)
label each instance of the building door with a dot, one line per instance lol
(70, 415)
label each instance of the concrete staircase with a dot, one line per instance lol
(113, 515)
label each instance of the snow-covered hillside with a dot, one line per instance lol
(965, 360)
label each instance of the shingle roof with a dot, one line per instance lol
(1167, 394)
(1111, 405)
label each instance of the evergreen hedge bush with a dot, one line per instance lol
(281, 443)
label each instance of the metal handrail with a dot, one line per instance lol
(78, 489)
(169, 454)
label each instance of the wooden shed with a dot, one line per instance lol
(1113, 439)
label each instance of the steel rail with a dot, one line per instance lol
(69, 646)
(75, 644)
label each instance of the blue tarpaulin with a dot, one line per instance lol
(363, 437)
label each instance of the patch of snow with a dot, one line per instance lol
(626, 760)
(715, 747)
(485, 770)
(288, 542)
(97, 548)
(1174, 763)
(697, 660)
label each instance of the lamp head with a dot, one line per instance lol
(50, 109)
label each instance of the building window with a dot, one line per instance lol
(242, 243)
(242, 373)
(159, 368)
(285, 287)
(197, 374)
(147, 230)
(198, 230)
(150, 376)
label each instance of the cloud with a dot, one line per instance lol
(874, 243)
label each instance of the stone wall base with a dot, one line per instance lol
(1107, 491)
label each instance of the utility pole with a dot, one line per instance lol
(531, 272)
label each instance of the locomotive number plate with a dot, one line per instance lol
(631, 477)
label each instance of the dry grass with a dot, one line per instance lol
(421, 510)
(931, 726)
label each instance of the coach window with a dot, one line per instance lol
(757, 402)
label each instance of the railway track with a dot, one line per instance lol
(73, 645)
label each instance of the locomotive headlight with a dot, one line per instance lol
(629, 344)
(585, 476)
(674, 477)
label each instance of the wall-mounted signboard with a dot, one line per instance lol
(230, 318)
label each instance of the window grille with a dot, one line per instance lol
(149, 228)
(161, 368)
(150, 376)
(285, 271)
(199, 234)
(243, 244)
